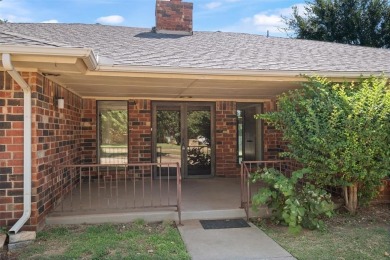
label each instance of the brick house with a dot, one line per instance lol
(75, 94)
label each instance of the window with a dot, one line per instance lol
(113, 132)
(249, 132)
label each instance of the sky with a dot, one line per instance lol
(247, 16)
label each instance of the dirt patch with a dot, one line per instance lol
(5, 255)
(362, 236)
(374, 215)
(378, 215)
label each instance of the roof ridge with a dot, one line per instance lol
(195, 32)
(54, 44)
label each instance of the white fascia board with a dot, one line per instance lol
(84, 53)
(225, 72)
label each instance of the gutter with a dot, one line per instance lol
(86, 54)
(228, 72)
(7, 64)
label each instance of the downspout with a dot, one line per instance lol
(7, 64)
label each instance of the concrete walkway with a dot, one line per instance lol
(229, 244)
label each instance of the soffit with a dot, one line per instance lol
(122, 87)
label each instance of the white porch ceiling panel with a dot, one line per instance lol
(109, 87)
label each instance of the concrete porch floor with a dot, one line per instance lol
(212, 198)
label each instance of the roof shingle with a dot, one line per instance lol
(129, 46)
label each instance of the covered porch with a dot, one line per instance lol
(74, 134)
(201, 199)
(101, 193)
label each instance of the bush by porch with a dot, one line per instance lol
(340, 132)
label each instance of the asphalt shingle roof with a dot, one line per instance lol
(204, 50)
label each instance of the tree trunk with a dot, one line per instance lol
(351, 198)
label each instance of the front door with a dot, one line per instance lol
(182, 133)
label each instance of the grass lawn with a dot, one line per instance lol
(169, 148)
(365, 236)
(136, 240)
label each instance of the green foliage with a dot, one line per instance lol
(139, 222)
(3, 230)
(3, 20)
(293, 203)
(360, 22)
(138, 240)
(199, 124)
(113, 124)
(197, 156)
(340, 131)
(168, 125)
(55, 232)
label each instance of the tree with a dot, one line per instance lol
(168, 125)
(358, 22)
(1, 20)
(199, 124)
(340, 132)
(113, 126)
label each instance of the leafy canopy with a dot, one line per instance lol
(341, 132)
(359, 22)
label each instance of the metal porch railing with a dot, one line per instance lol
(249, 167)
(118, 187)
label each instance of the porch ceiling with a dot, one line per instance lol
(171, 87)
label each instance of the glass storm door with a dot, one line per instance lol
(198, 140)
(182, 133)
(167, 139)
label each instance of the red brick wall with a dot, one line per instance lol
(55, 140)
(174, 15)
(140, 133)
(11, 145)
(226, 139)
(384, 192)
(272, 138)
(274, 143)
(88, 140)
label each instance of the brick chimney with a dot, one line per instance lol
(173, 17)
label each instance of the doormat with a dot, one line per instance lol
(223, 223)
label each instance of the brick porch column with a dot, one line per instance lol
(140, 133)
(226, 139)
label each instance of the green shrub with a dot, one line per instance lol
(339, 130)
(292, 202)
(3, 230)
